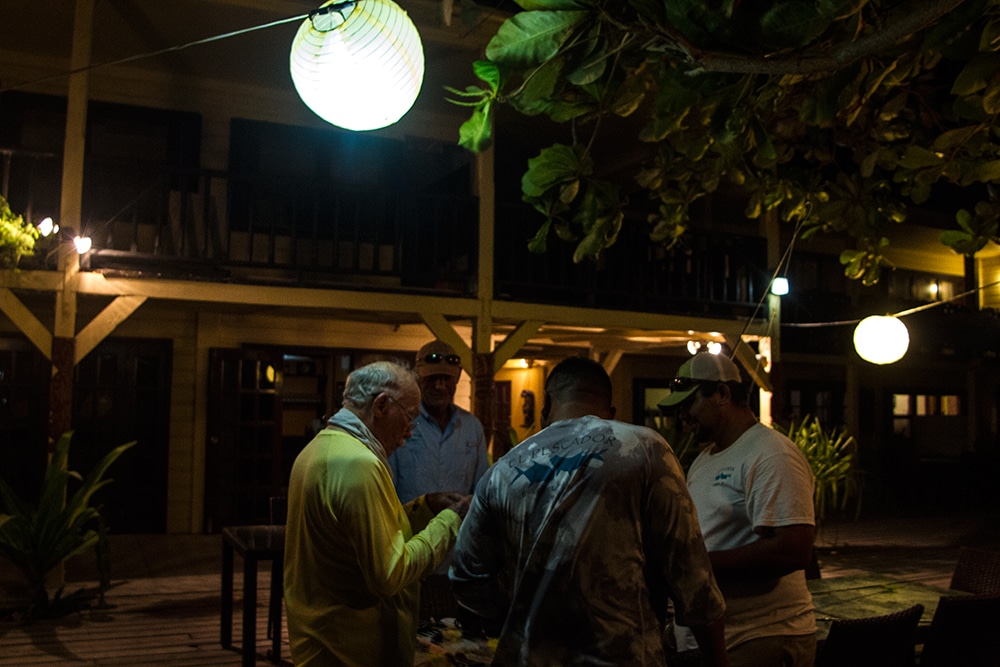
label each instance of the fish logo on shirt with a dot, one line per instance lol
(723, 476)
(539, 472)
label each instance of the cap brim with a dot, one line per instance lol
(428, 370)
(675, 398)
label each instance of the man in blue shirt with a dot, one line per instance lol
(447, 450)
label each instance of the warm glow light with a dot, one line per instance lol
(881, 339)
(780, 286)
(47, 227)
(82, 244)
(713, 347)
(359, 67)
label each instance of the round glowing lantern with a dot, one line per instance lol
(358, 65)
(881, 339)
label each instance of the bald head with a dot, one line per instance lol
(576, 387)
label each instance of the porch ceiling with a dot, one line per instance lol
(126, 28)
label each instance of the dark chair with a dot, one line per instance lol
(436, 599)
(977, 572)
(873, 641)
(965, 631)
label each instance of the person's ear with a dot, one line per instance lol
(546, 409)
(724, 394)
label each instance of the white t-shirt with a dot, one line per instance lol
(761, 480)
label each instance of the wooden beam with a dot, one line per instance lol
(443, 330)
(553, 314)
(514, 341)
(106, 321)
(26, 321)
(744, 354)
(611, 360)
(289, 297)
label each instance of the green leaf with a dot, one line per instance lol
(590, 70)
(530, 38)
(917, 157)
(476, 134)
(951, 139)
(991, 97)
(555, 165)
(539, 85)
(533, 5)
(487, 72)
(838, 10)
(538, 243)
(793, 23)
(988, 171)
(962, 242)
(976, 74)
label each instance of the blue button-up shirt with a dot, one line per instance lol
(434, 460)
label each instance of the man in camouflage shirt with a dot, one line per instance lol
(578, 536)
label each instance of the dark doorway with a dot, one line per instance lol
(243, 452)
(24, 416)
(122, 393)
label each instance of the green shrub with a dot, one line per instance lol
(36, 539)
(833, 457)
(17, 237)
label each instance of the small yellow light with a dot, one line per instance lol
(881, 339)
(82, 244)
(47, 227)
(360, 66)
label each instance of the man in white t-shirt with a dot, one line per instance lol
(753, 490)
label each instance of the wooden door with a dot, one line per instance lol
(122, 393)
(243, 451)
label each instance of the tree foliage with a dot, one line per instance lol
(836, 115)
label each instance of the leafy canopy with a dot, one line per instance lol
(836, 115)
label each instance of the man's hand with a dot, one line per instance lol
(461, 507)
(441, 500)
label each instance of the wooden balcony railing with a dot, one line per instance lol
(211, 225)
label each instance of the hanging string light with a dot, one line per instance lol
(881, 339)
(358, 65)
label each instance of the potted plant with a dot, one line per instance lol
(17, 237)
(36, 538)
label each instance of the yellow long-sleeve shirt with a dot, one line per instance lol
(352, 561)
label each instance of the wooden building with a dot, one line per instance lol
(246, 256)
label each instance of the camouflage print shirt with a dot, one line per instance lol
(576, 539)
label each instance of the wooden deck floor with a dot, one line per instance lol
(156, 622)
(165, 601)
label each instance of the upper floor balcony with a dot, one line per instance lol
(247, 228)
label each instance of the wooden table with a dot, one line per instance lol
(871, 594)
(253, 544)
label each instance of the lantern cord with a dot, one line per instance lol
(177, 47)
(902, 313)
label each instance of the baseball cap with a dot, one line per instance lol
(438, 358)
(703, 366)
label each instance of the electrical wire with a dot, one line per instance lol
(902, 313)
(169, 49)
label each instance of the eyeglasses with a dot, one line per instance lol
(437, 358)
(412, 418)
(683, 384)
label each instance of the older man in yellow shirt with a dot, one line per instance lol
(354, 555)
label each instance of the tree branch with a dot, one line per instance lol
(914, 20)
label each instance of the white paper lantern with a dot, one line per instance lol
(881, 339)
(360, 66)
